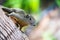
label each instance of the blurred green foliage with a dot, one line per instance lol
(30, 6)
(58, 2)
(27, 5)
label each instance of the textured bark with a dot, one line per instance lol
(8, 30)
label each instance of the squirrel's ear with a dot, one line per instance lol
(7, 10)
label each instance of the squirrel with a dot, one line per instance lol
(19, 17)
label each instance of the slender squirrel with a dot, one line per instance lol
(19, 17)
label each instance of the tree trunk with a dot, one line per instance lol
(8, 30)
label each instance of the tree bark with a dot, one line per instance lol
(8, 30)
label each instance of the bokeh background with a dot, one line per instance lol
(30, 6)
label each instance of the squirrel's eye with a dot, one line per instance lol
(30, 18)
